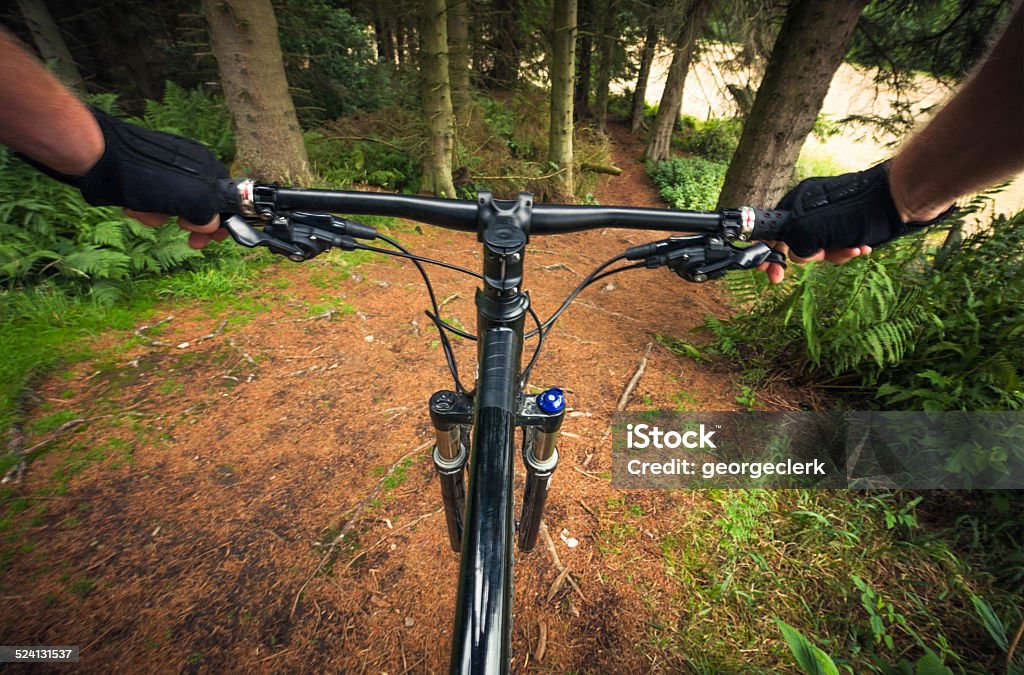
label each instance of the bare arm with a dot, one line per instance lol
(40, 117)
(974, 142)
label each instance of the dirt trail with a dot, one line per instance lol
(184, 531)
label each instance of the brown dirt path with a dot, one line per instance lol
(183, 531)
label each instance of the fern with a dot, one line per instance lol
(916, 325)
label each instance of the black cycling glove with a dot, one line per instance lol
(151, 171)
(854, 209)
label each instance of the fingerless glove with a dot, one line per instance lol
(151, 171)
(845, 211)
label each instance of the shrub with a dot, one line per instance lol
(714, 139)
(689, 183)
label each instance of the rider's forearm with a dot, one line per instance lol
(974, 142)
(40, 117)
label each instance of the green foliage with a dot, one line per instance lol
(915, 324)
(807, 655)
(714, 139)
(688, 183)
(193, 114)
(48, 233)
(941, 37)
(330, 60)
(344, 163)
(850, 581)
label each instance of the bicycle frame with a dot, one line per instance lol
(480, 518)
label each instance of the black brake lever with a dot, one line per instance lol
(300, 236)
(247, 235)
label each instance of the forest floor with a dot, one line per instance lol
(190, 481)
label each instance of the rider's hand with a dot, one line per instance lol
(842, 217)
(155, 176)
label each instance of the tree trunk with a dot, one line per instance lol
(563, 52)
(437, 97)
(807, 52)
(458, 56)
(507, 45)
(584, 47)
(605, 42)
(50, 43)
(660, 145)
(244, 40)
(636, 118)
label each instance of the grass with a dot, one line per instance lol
(45, 327)
(861, 572)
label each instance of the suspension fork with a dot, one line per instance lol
(541, 418)
(451, 413)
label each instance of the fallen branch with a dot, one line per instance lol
(601, 168)
(141, 332)
(624, 399)
(564, 573)
(542, 642)
(357, 514)
(17, 471)
(447, 301)
(220, 329)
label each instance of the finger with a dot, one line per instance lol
(842, 255)
(776, 273)
(819, 255)
(220, 235)
(199, 239)
(208, 228)
(147, 217)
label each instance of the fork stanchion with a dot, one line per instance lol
(450, 413)
(541, 418)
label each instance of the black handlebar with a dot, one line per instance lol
(261, 200)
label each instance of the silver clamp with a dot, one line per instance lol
(747, 218)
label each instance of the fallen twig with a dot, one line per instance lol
(590, 475)
(607, 311)
(245, 354)
(542, 642)
(17, 471)
(140, 332)
(447, 301)
(641, 367)
(558, 266)
(411, 523)
(323, 315)
(220, 329)
(557, 584)
(563, 572)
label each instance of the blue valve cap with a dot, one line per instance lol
(552, 401)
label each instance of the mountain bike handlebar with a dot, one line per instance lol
(264, 201)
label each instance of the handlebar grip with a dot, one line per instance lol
(235, 195)
(770, 224)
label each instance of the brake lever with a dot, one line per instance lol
(698, 258)
(246, 235)
(301, 236)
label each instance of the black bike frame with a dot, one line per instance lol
(483, 613)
